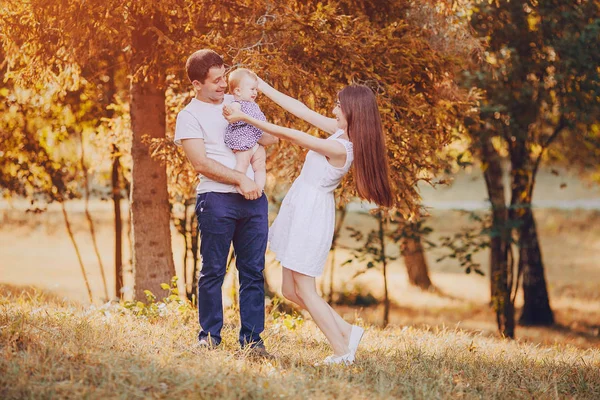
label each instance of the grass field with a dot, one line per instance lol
(52, 349)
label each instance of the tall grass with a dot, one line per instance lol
(50, 348)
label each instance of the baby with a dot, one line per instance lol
(241, 137)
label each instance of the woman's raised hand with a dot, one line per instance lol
(261, 84)
(232, 114)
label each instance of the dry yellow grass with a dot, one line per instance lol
(36, 251)
(50, 348)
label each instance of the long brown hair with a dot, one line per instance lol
(371, 171)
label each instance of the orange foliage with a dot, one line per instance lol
(309, 50)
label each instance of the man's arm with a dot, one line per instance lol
(195, 151)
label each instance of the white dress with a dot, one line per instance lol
(302, 233)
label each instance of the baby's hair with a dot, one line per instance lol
(236, 76)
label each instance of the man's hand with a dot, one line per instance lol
(196, 153)
(249, 189)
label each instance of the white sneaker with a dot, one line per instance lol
(356, 335)
(346, 359)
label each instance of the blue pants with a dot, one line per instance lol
(223, 218)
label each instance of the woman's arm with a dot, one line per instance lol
(298, 108)
(331, 149)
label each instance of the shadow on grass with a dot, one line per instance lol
(475, 319)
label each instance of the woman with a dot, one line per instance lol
(302, 233)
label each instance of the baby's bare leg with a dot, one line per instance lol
(259, 165)
(242, 160)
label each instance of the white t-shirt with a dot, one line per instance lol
(200, 120)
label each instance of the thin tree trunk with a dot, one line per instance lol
(116, 195)
(386, 297)
(116, 173)
(500, 268)
(336, 235)
(536, 307)
(88, 216)
(72, 237)
(184, 224)
(411, 249)
(150, 211)
(194, 248)
(129, 232)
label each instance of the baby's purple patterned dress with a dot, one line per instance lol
(240, 135)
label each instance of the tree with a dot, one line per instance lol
(540, 82)
(61, 35)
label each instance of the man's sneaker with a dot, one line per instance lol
(346, 359)
(206, 344)
(259, 352)
(356, 335)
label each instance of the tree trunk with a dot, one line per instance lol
(116, 195)
(336, 235)
(76, 247)
(88, 216)
(411, 249)
(194, 248)
(416, 265)
(116, 182)
(536, 308)
(150, 214)
(386, 297)
(500, 268)
(186, 244)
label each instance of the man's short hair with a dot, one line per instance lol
(199, 63)
(236, 76)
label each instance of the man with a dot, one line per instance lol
(230, 207)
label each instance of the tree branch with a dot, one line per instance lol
(561, 125)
